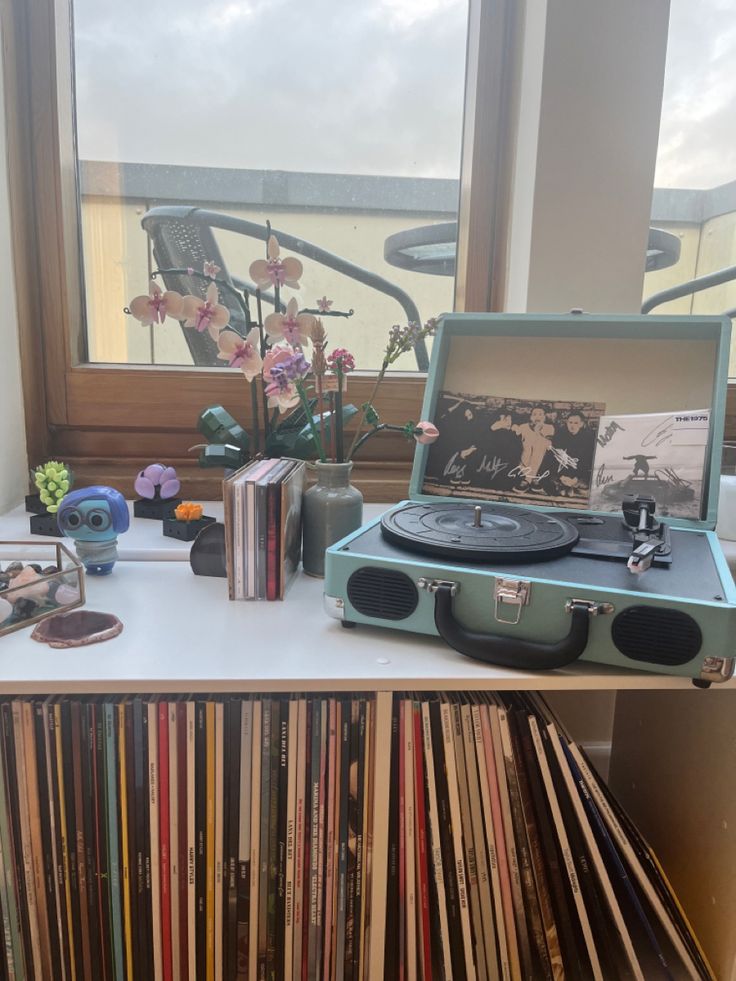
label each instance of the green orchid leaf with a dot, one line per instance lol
(223, 455)
(304, 447)
(219, 427)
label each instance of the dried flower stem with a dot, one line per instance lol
(333, 439)
(361, 421)
(337, 418)
(320, 408)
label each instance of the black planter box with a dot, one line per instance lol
(155, 509)
(45, 524)
(185, 531)
(34, 504)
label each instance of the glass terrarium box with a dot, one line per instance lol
(36, 580)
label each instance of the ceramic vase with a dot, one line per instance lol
(331, 509)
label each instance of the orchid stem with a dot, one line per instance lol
(310, 420)
(262, 335)
(320, 408)
(256, 421)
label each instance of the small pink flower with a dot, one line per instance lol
(341, 358)
(323, 304)
(210, 269)
(157, 306)
(205, 314)
(275, 271)
(241, 352)
(190, 271)
(293, 327)
(426, 432)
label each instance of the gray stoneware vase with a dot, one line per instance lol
(331, 509)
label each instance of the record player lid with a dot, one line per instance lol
(630, 364)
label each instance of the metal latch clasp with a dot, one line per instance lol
(510, 592)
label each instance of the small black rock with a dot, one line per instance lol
(49, 570)
(36, 567)
(25, 607)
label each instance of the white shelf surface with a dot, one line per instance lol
(182, 634)
(144, 541)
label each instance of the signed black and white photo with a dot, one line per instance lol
(513, 449)
(660, 454)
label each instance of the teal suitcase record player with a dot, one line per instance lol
(566, 510)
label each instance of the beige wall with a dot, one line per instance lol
(117, 267)
(705, 249)
(13, 462)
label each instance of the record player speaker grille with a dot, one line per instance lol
(657, 636)
(382, 594)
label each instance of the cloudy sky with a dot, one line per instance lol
(345, 86)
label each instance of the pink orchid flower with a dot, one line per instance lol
(280, 398)
(275, 271)
(323, 304)
(276, 355)
(205, 314)
(156, 306)
(293, 327)
(426, 432)
(241, 352)
(210, 269)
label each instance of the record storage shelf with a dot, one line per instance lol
(673, 747)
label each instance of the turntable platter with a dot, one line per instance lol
(479, 533)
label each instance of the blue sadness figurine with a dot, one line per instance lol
(94, 517)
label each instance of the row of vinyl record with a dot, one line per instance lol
(509, 858)
(319, 838)
(185, 840)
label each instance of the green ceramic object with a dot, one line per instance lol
(218, 426)
(331, 509)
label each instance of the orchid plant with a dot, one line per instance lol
(302, 402)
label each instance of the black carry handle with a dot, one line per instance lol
(508, 651)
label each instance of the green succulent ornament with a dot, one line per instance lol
(54, 480)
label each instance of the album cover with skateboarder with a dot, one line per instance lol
(661, 455)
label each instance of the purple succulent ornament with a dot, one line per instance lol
(157, 477)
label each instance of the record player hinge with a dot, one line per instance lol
(432, 585)
(594, 609)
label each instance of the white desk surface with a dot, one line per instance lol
(182, 634)
(144, 540)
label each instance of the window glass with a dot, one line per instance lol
(694, 201)
(340, 123)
